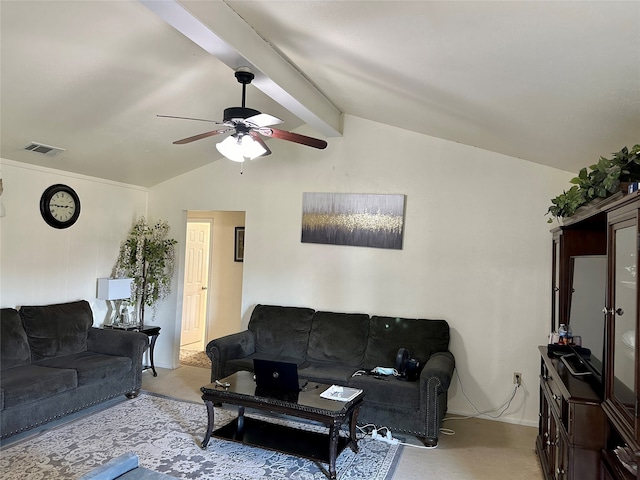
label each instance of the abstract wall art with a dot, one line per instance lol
(365, 220)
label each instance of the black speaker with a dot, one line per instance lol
(406, 366)
(413, 369)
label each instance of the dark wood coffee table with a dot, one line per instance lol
(308, 405)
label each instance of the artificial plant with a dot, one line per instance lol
(148, 256)
(598, 181)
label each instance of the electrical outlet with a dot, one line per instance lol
(517, 378)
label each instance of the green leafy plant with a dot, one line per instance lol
(148, 256)
(597, 181)
(566, 204)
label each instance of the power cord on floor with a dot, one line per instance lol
(502, 408)
(377, 433)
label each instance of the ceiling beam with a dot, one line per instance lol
(220, 31)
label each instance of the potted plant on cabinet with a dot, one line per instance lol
(598, 181)
(148, 256)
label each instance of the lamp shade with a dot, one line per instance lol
(114, 288)
(239, 148)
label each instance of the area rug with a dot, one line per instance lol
(166, 433)
(194, 358)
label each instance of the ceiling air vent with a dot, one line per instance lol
(43, 149)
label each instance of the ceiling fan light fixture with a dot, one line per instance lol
(249, 124)
(239, 148)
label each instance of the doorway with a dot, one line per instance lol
(212, 298)
(196, 284)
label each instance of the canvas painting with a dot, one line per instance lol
(365, 220)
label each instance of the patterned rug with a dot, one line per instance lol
(166, 433)
(194, 358)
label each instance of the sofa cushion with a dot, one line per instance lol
(15, 346)
(338, 338)
(388, 391)
(388, 334)
(281, 331)
(326, 373)
(57, 330)
(30, 383)
(246, 363)
(91, 367)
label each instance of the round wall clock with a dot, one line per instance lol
(60, 206)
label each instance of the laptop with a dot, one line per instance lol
(277, 377)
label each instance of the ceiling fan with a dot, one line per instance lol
(248, 127)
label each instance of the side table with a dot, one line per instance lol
(152, 332)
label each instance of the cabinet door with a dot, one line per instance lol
(556, 461)
(555, 286)
(622, 319)
(562, 457)
(547, 432)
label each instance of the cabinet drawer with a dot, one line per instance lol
(554, 395)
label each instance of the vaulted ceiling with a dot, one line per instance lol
(557, 83)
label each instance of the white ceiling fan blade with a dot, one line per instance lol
(258, 139)
(262, 120)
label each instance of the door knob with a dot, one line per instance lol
(204, 288)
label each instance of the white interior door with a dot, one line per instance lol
(196, 278)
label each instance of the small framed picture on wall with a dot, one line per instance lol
(238, 255)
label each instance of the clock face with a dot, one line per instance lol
(60, 206)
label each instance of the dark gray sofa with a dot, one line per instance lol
(330, 347)
(53, 363)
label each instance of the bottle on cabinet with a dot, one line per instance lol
(564, 335)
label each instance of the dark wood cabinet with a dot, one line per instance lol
(572, 424)
(583, 422)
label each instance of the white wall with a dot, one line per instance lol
(477, 248)
(42, 265)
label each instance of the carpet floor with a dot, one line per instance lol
(166, 433)
(194, 358)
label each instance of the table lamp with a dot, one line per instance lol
(114, 290)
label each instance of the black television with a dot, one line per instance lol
(588, 274)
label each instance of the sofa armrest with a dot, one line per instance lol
(114, 468)
(118, 342)
(435, 379)
(236, 345)
(439, 367)
(123, 467)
